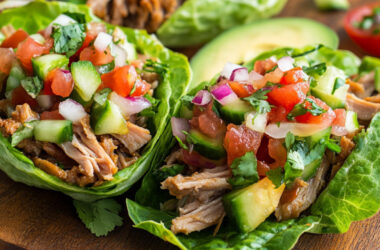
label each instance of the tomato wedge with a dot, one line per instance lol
(59, 82)
(289, 95)
(324, 119)
(140, 88)
(95, 56)
(29, 48)
(121, 80)
(369, 39)
(16, 38)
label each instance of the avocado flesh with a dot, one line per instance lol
(243, 43)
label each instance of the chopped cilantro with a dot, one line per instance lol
(32, 85)
(23, 132)
(258, 101)
(333, 146)
(314, 70)
(167, 171)
(339, 82)
(289, 140)
(68, 39)
(276, 176)
(155, 67)
(303, 108)
(244, 171)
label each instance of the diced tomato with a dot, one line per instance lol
(326, 118)
(292, 76)
(240, 140)
(207, 121)
(242, 90)
(274, 76)
(7, 58)
(20, 96)
(262, 168)
(194, 159)
(121, 80)
(51, 115)
(277, 152)
(141, 88)
(87, 40)
(263, 66)
(288, 96)
(16, 38)
(59, 82)
(95, 56)
(277, 114)
(340, 117)
(29, 48)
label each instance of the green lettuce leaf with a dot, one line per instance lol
(38, 15)
(198, 21)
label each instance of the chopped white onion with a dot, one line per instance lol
(130, 105)
(71, 110)
(102, 41)
(255, 121)
(285, 63)
(178, 126)
(228, 68)
(45, 101)
(240, 75)
(339, 131)
(280, 130)
(254, 76)
(119, 54)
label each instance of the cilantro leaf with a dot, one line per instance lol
(309, 105)
(181, 143)
(314, 70)
(68, 39)
(244, 171)
(289, 140)
(101, 96)
(23, 132)
(32, 85)
(333, 146)
(187, 101)
(276, 176)
(100, 217)
(294, 166)
(258, 101)
(155, 67)
(167, 171)
(339, 82)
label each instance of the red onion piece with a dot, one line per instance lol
(285, 63)
(279, 131)
(239, 75)
(202, 98)
(254, 76)
(71, 110)
(228, 68)
(224, 94)
(179, 125)
(130, 105)
(102, 41)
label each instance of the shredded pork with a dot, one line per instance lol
(135, 139)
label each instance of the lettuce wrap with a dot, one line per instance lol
(351, 195)
(39, 14)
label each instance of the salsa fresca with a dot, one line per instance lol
(256, 142)
(76, 98)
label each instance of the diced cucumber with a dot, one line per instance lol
(38, 38)
(250, 206)
(14, 80)
(331, 100)
(256, 121)
(185, 112)
(208, 147)
(76, 97)
(341, 93)
(317, 137)
(86, 79)
(326, 82)
(377, 79)
(42, 65)
(107, 119)
(310, 169)
(352, 123)
(235, 112)
(55, 131)
(332, 4)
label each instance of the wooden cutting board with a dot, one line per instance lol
(38, 219)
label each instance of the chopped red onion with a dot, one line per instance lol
(130, 105)
(239, 75)
(285, 63)
(71, 110)
(254, 76)
(102, 41)
(279, 131)
(202, 98)
(228, 69)
(178, 126)
(45, 101)
(224, 94)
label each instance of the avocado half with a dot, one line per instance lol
(243, 43)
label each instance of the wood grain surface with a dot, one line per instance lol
(38, 219)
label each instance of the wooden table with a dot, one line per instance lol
(39, 219)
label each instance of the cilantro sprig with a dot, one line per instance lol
(309, 105)
(259, 102)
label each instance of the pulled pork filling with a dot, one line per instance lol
(139, 14)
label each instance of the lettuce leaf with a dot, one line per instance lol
(198, 21)
(38, 15)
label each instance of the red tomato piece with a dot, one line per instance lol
(242, 90)
(60, 82)
(340, 118)
(326, 118)
(16, 38)
(292, 76)
(194, 159)
(288, 96)
(240, 140)
(20, 96)
(95, 56)
(366, 39)
(121, 80)
(263, 66)
(277, 114)
(141, 88)
(29, 48)
(207, 122)
(51, 115)
(7, 58)
(87, 41)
